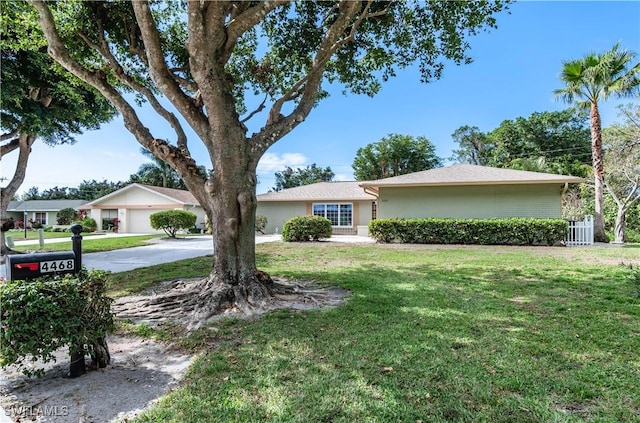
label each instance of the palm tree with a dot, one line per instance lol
(157, 173)
(591, 79)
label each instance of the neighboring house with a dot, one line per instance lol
(470, 191)
(44, 212)
(344, 203)
(134, 204)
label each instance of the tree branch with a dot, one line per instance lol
(122, 76)
(307, 87)
(8, 135)
(160, 73)
(7, 148)
(25, 142)
(245, 20)
(182, 163)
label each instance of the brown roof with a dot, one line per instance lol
(177, 195)
(466, 174)
(321, 191)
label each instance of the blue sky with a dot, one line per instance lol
(514, 72)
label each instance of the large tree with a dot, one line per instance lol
(211, 59)
(621, 143)
(473, 146)
(588, 81)
(394, 155)
(554, 142)
(39, 100)
(289, 178)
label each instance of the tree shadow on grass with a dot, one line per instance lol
(426, 343)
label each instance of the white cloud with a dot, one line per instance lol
(273, 162)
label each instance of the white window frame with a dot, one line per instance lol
(46, 217)
(324, 205)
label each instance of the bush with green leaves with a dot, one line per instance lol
(172, 221)
(42, 315)
(66, 216)
(261, 223)
(512, 231)
(306, 228)
(88, 224)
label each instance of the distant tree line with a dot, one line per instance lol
(155, 173)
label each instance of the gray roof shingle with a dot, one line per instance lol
(320, 191)
(466, 174)
(44, 205)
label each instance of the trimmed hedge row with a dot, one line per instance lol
(512, 231)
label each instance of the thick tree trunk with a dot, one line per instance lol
(25, 142)
(597, 156)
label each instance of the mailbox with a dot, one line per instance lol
(30, 266)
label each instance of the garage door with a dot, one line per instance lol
(139, 222)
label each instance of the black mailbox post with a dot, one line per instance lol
(30, 266)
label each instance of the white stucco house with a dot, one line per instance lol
(133, 204)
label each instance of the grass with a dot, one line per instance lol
(92, 244)
(429, 334)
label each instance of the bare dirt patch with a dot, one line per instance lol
(141, 370)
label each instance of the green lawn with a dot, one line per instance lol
(19, 235)
(91, 244)
(467, 334)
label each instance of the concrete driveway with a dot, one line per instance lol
(164, 250)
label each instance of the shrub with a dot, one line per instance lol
(88, 224)
(306, 228)
(261, 223)
(513, 231)
(41, 315)
(66, 216)
(171, 221)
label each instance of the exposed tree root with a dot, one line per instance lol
(199, 302)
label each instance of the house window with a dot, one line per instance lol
(40, 218)
(338, 214)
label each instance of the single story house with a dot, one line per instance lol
(457, 191)
(134, 204)
(469, 191)
(44, 212)
(346, 204)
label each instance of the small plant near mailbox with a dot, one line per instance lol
(172, 221)
(42, 315)
(306, 228)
